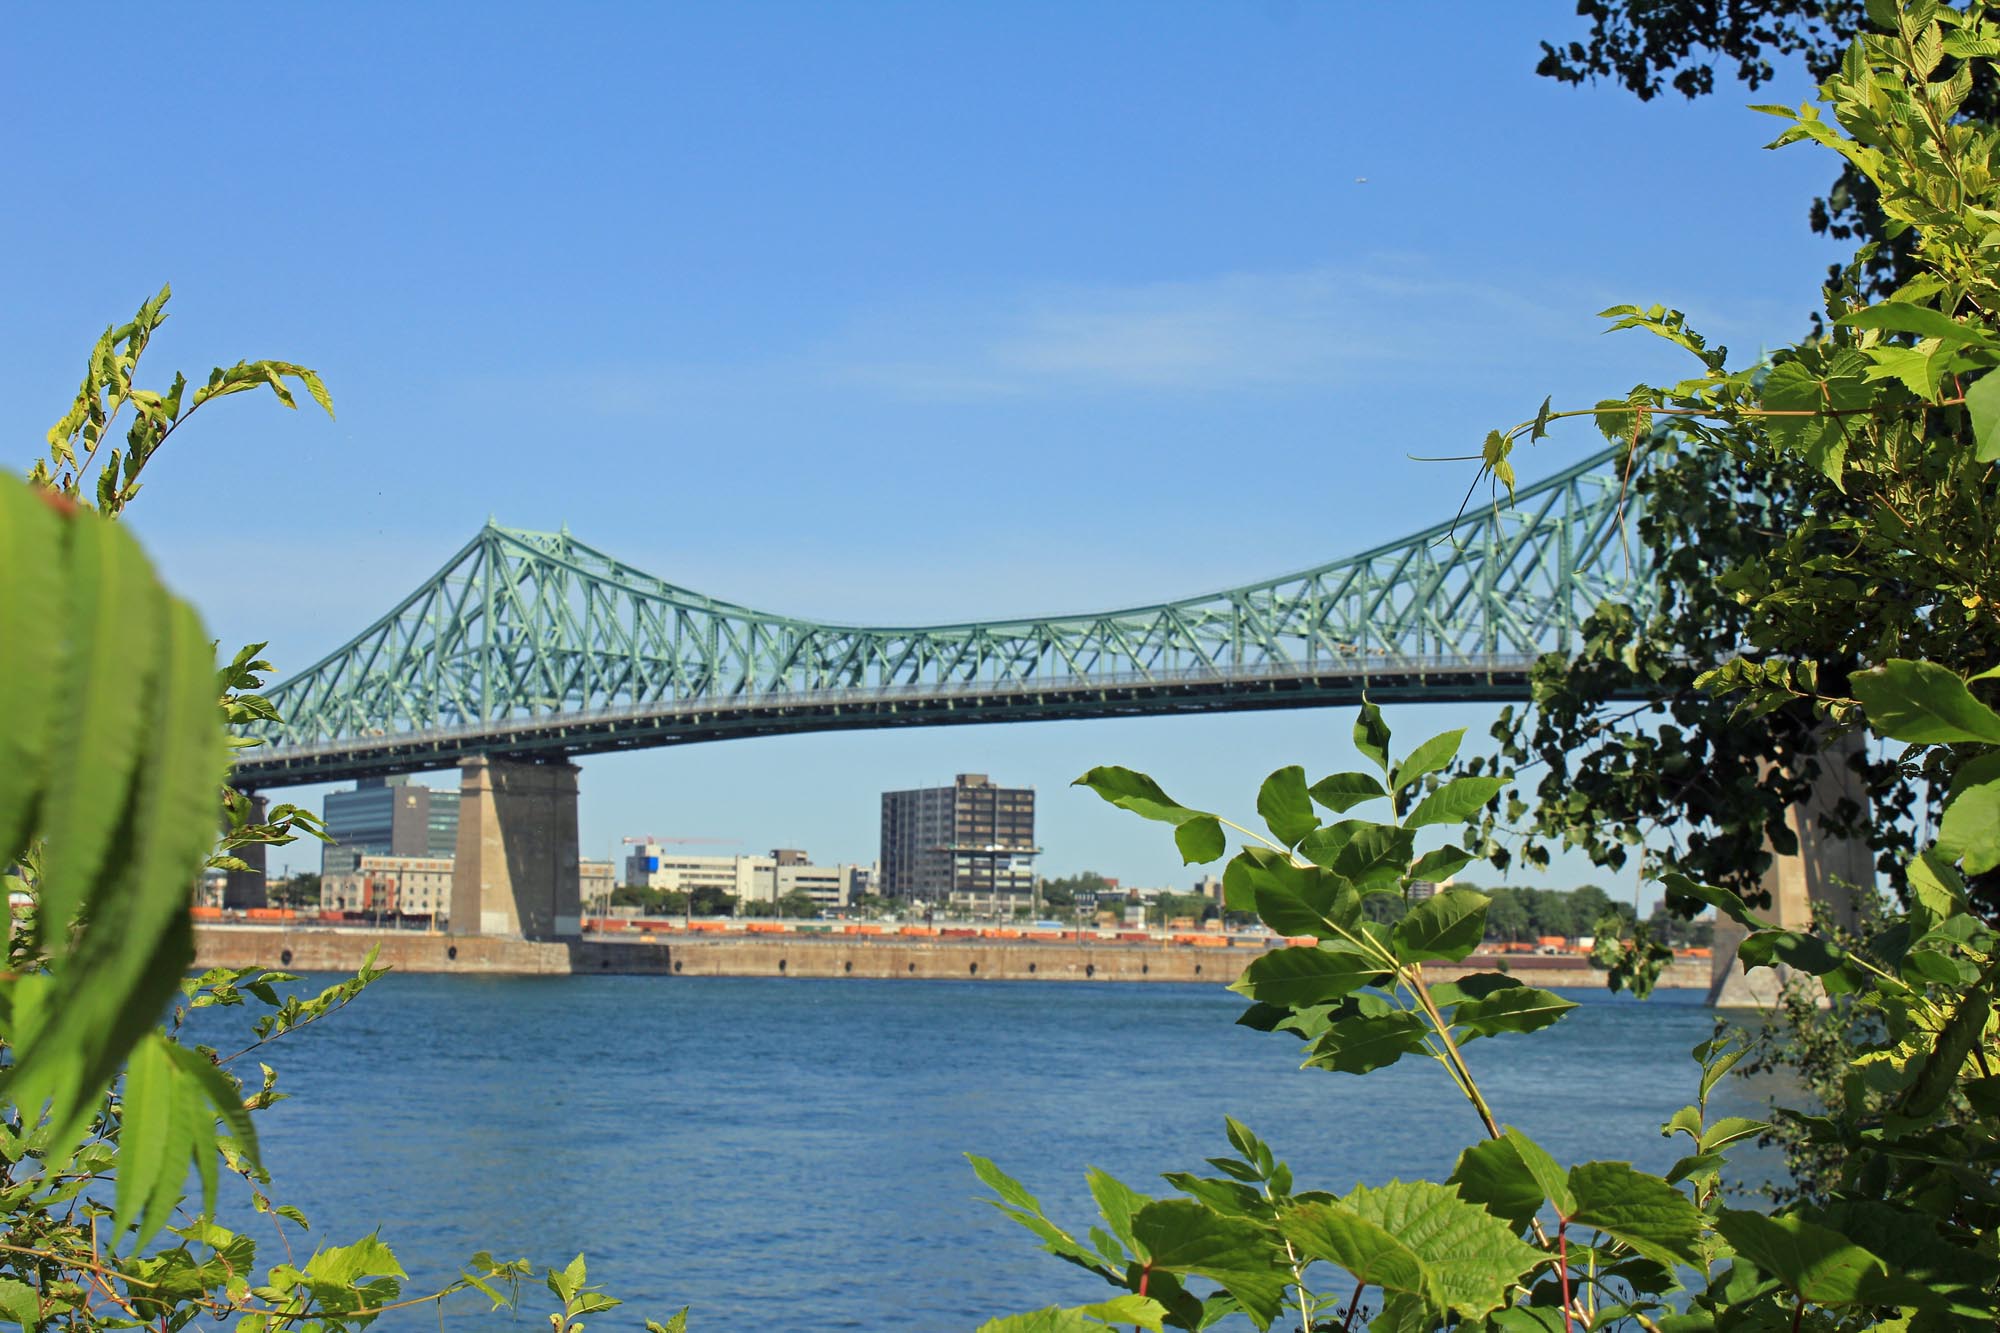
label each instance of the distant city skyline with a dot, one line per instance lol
(878, 314)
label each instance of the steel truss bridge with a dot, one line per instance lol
(533, 644)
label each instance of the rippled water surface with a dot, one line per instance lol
(786, 1154)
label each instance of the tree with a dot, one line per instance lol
(299, 890)
(1507, 918)
(799, 906)
(1649, 46)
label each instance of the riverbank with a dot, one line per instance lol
(305, 949)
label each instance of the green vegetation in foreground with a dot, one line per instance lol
(1896, 412)
(113, 735)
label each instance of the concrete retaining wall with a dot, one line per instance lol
(796, 956)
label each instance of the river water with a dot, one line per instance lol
(787, 1154)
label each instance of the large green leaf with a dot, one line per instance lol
(1200, 840)
(1447, 927)
(139, 677)
(1427, 759)
(1302, 976)
(1285, 807)
(1818, 1263)
(1924, 704)
(1643, 1211)
(1185, 1237)
(1722, 900)
(1338, 1235)
(1923, 321)
(32, 588)
(1491, 1174)
(1970, 829)
(1471, 1258)
(1134, 791)
(1982, 404)
(1375, 857)
(1455, 802)
(1371, 735)
(1343, 791)
(1308, 901)
(1548, 1174)
(1361, 1042)
(1516, 1009)
(1955, 1042)
(171, 1100)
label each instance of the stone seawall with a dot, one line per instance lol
(322, 950)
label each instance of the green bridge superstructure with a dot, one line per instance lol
(534, 645)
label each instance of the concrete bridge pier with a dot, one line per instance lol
(247, 888)
(1826, 870)
(516, 872)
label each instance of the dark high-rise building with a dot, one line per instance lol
(971, 843)
(388, 817)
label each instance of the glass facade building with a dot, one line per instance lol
(387, 817)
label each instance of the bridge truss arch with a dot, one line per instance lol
(531, 643)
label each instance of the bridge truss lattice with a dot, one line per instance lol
(529, 643)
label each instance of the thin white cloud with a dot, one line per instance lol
(1320, 327)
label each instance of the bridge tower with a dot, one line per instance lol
(1826, 870)
(517, 869)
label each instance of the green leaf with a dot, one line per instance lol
(1440, 864)
(1285, 805)
(1310, 901)
(1134, 791)
(1200, 840)
(1342, 791)
(20, 1303)
(1049, 1319)
(1373, 857)
(1819, 1264)
(1643, 1211)
(1445, 927)
(1357, 1044)
(31, 595)
(1471, 1258)
(1117, 1201)
(1809, 953)
(1427, 759)
(1970, 829)
(140, 684)
(1730, 1129)
(1340, 1236)
(1982, 404)
(1131, 1308)
(1923, 321)
(1516, 1009)
(1491, 1174)
(1371, 735)
(1722, 900)
(1924, 704)
(1455, 802)
(1553, 1180)
(1956, 1040)
(1185, 1237)
(1302, 976)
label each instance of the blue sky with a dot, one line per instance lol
(884, 313)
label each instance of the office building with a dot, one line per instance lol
(784, 872)
(388, 817)
(971, 845)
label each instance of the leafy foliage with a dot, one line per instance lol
(1885, 429)
(114, 740)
